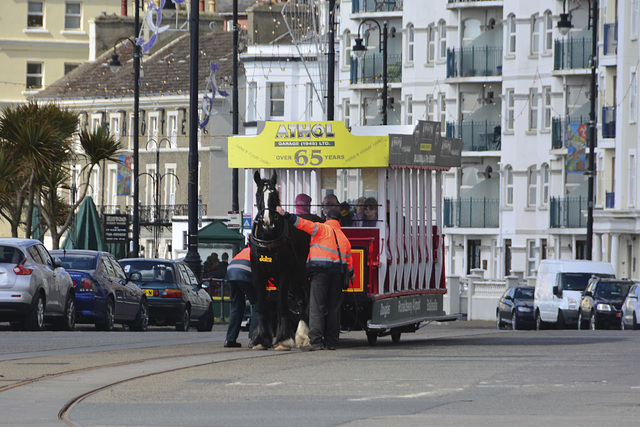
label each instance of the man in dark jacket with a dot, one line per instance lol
(324, 268)
(238, 275)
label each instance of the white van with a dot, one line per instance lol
(559, 286)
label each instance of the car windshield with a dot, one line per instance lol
(524, 293)
(612, 290)
(10, 255)
(151, 271)
(575, 281)
(78, 262)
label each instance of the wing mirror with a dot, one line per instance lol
(57, 263)
(135, 276)
(557, 291)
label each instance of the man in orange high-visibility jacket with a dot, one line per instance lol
(323, 266)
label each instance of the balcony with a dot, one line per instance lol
(467, 213)
(609, 122)
(363, 6)
(568, 212)
(474, 61)
(610, 39)
(572, 54)
(476, 135)
(564, 129)
(369, 69)
(464, 2)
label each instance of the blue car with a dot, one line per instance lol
(104, 294)
(176, 296)
(515, 307)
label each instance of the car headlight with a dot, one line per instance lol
(522, 309)
(603, 307)
(573, 304)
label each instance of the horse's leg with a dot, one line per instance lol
(262, 337)
(284, 334)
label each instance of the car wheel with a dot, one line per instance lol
(635, 322)
(109, 317)
(207, 324)
(142, 318)
(395, 337)
(592, 322)
(539, 323)
(498, 321)
(68, 322)
(35, 318)
(183, 324)
(514, 321)
(622, 327)
(560, 322)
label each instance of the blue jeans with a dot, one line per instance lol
(240, 290)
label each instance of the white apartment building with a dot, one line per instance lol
(501, 76)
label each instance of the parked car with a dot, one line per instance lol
(559, 287)
(601, 304)
(176, 296)
(34, 288)
(515, 307)
(104, 293)
(631, 309)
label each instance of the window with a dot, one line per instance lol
(172, 128)
(96, 121)
(443, 111)
(72, 16)
(346, 114)
(170, 186)
(510, 110)
(533, 109)
(153, 127)
(543, 248)
(544, 170)
(442, 33)
(634, 19)
(511, 33)
(531, 258)
(633, 97)
(548, 32)
(410, 41)
(532, 186)
(431, 44)
(252, 102)
(632, 178)
(431, 108)
(507, 257)
(347, 49)
(546, 96)
(114, 126)
(34, 75)
(113, 186)
(409, 107)
(308, 90)
(69, 68)
(535, 35)
(508, 180)
(276, 99)
(473, 254)
(35, 14)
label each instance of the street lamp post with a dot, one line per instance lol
(115, 65)
(359, 49)
(564, 25)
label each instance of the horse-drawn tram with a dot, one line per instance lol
(397, 249)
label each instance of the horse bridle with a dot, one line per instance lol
(265, 210)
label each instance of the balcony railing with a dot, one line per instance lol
(368, 69)
(478, 212)
(610, 39)
(609, 122)
(562, 129)
(376, 5)
(474, 61)
(464, 1)
(572, 54)
(568, 212)
(148, 213)
(476, 135)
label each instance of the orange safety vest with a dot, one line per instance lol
(323, 252)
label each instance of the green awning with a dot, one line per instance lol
(217, 232)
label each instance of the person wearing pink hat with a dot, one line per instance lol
(303, 208)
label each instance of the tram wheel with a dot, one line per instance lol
(372, 338)
(395, 337)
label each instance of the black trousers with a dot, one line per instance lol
(325, 307)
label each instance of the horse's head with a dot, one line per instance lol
(267, 199)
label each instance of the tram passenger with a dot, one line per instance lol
(324, 268)
(241, 287)
(370, 212)
(358, 213)
(330, 202)
(303, 208)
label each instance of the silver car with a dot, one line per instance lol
(34, 288)
(631, 309)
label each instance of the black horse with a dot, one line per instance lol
(278, 251)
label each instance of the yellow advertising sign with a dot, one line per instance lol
(284, 145)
